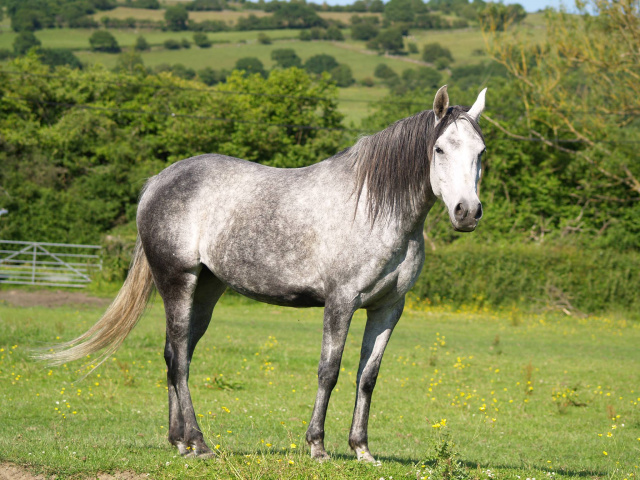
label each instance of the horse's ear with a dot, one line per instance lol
(476, 110)
(441, 103)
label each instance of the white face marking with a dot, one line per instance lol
(455, 172)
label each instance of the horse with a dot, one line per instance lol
(345, 233)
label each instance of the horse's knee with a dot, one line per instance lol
(328, 375)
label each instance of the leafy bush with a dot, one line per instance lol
(103, 41)
(364, 31)
(433, 51)
(384, 71)
(184, 43)
(141, 44)
(24, 42)
(305, 35)
(78, 172)
(201, 40)
(171, 44)
(176, 17)
(55, 57)
(205, 5)
(250, 65)
(389, 40)
(320, 63)
(264, 39)
(342, 75)
(285, 58)
(334, 33)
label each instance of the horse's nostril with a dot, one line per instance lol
(460, 212)
(478, 214)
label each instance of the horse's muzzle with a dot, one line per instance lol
(466, 216)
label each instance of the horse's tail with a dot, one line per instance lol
(117, 322)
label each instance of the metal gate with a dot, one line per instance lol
(48, 264)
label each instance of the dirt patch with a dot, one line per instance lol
(49, 298)
(9, 471)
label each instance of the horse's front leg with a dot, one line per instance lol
(380, 324)
(337, 319)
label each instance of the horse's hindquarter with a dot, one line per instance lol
(284, 236)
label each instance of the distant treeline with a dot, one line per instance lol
(31, 15)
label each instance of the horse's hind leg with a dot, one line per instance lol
(189, 303)
(380, 325)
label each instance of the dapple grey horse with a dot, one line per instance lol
(345, 233)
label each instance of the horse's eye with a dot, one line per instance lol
(439, 150)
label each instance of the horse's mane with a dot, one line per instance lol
(394, 163)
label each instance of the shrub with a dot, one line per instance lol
(176, 18)
(264, 39)
(442, 63)
(384, 71)
(342, 75)
(55, 57)
(201, 40)
(433, 51)
(334, 33)
(364, 31)
(250, 65)
(141, 44)
(209, 76)
(320, 63)
(367, 82)
(172, 44)
(305, 35)
(286, 58)
(184, 43)
(103, 41)
(412, 47)
(24, 42)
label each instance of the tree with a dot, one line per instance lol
(130, 62)
(210, 76)
(285, 58)
(342, 75)
(205, 5)
(176, 18)
(364, 31)
(376, 6)
(384, 71)
(171, 44)
(141, 44)
(201, 40)
(433, 51)
(55, 57)
(103, 41)
(579, 96)
(24, 42)
(264, 39)
(389, 40)
(400, 11)
(334, 33)
(250, 65)
(320, 63)
(497, 16)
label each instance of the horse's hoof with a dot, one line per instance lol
(319, 454)
(365, 456)
(206, 455)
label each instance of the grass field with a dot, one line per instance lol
(523, 396)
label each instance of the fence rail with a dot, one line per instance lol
(48, 264)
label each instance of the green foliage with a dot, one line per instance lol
(103, 41)
(206, 5)
(384, 71)
(388, 40)
(172, 44)
(130, 62)
(334, 33)
(56, 57)
(202, 40)
(209, 76)
(286, 58)
(150, 4)
(442, 63)
(250, 65)
(184, 43)
(24, 42)
(364, 31)
(431, 52)
(400, 11)
(412, 47)
(141, 45)
(320, 63)
(305, 35)
(497, 16)
(553, 277)
(264, 39)
(78, 172)
(176, 17)
(342, 75)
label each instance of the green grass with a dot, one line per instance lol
(259, 363)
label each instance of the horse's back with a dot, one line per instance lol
(261, 230)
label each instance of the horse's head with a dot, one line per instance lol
(455, 160)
